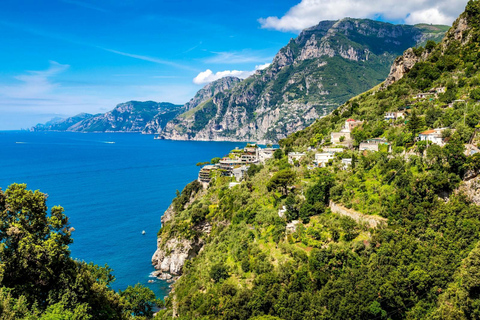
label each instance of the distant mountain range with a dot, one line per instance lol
(132, 116)
(312, 75)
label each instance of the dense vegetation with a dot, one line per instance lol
(39, 279)
(277, 251)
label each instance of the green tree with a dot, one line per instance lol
(34, 243)
(278, 154)
(281, 180)
(139, 301)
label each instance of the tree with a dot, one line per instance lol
(34, 251)
(414, 124)
(218, 272)
(140, 301)
(281, 180)
(37, 272)
(278, 154)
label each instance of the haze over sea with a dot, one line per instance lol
(112, 187)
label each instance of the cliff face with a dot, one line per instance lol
(316, 72)
(458, 33)
(132, 116)
(204, 94)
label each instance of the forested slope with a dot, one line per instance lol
(311, 263)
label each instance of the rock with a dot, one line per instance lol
(401, 66)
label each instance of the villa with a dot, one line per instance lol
(434, 136)
(321, 159)
(295, 156)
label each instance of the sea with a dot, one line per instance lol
(113, 186)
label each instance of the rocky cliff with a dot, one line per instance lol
(204, 94)
(132, 116)
(316, 72)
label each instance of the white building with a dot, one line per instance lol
(393, 115)
(292, 156)
(321, 159)
(347, 162)
(434, 136)
(240, 172)
(265, 154)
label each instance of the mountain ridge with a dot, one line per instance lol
(309, 77)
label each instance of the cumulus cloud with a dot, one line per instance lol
(309, 12)
(208, 76)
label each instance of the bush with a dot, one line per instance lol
(218, 272)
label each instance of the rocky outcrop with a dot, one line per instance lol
(173, 249)
(171, 255)
(401, 66)
(312, 75)
(471, 188)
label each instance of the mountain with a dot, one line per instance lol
(204, 94)
(59, 124)
(130, 116)
(311, 76)
(391, 232)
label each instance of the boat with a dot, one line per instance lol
(143, 232)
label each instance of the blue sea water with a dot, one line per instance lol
(112, 187)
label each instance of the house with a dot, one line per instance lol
(440, 90)
(265, 154)
(321, 159)
(373, 144)
(393, 115)
(434, 136)
(239, 173)
(347, 162)
(249, 158)
(204, 174)
(295, 156)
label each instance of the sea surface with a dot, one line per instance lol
(112, 186)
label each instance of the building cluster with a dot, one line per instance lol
(321, 159)
(433, 93)
(236, 164)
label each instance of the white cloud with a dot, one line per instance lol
(208, 76)
(309, 12)
(232, 57)
(35, 84)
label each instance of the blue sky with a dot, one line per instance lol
(63, 57)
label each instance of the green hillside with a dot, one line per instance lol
(394, 236)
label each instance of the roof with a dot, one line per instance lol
(429, 132)
(350, 120)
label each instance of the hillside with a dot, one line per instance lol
(319, 70)
(386, 226)
(130, 116)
